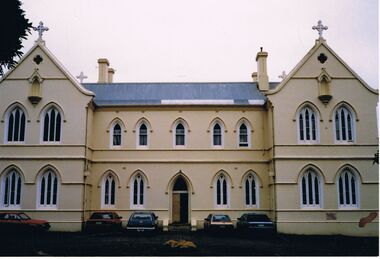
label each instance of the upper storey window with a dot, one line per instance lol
(52, 125)
(116, 135)
(15, 131)
(217, 135)
(307, 125)
(243, 135)
(180, 135)
(344, 125)
(143, 135)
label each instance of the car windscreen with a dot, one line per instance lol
(142, 217)
(101, 216)
(221, 218)
(262, 218)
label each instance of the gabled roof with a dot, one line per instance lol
(117, 94)
(317, 45)
(41, 44)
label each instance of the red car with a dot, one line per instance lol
(16, 222)
(104, 221)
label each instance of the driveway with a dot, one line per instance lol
(126, 244)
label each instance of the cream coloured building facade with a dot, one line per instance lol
(300, 150)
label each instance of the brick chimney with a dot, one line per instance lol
(103, 70)
(262, 75)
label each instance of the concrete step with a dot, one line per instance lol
(180, 227)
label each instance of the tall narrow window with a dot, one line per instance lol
(48, 189)
(250, 191)
(221, 191)
(16, 125)
(52, 125)
(143, 135)
(307, 125)
(11, 189)
(138, 191)
(243, 135)
(109, 186)
(116, 135)
(344, 125)
(180, 135)
(347, 189)
(311, 189)
(217, 135)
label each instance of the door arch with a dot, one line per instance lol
(180, 201)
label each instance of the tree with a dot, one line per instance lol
(376, 158)
(15, 27)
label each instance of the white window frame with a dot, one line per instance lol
(316, 118)
(257, 191)
(349, 205)
(103, 192)
(248, 135)
(353, 125)
(3, 187)
(314, 176)
(39, 186)
(117, 122)
(6, 128)
(137, 130)
(174, 130)
(132, 188)
(221, 135)
(42, 120)
(222, 206)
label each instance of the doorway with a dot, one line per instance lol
(180, 202)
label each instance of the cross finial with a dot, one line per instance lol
(81, 77)
(283, 75)
(40, 28)
(320, 28)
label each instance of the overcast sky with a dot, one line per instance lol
(203, 40)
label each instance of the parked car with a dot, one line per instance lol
(255, 223)
(104, 221)
(142, 222)
(19, 222)
(218, 222)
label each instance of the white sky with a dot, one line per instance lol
(203, 40)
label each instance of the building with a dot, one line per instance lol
(300, 150)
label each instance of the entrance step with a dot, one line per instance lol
(180, 227)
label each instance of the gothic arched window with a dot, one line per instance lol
(52, 125)
(243, 135)
(307, 125)
(116, 135)
(180, 135)
(16, 120)
(348, 189)
(344, 125)
(143, 135)
(48, 191)
(138, 191)
(11, 189)
(109, 189)
(222, 193)
(310, 189)
(217, 135)
(251, 190)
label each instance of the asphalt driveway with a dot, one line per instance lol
(201, 244)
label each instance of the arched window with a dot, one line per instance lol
(116, 135)
(222, 192)
(243, 135)
(143, 135)
(310, 189)
(307, 125)
(138, 191)
(217, 135)
(11, 189)
(109, 189)
(16, 126)
(348, 189)
(251, 190)
(344, 125)
(180, 135)
(52, 125)
(48, 191)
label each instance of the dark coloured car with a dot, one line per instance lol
(142, 222)
(104, 221)
(252, 222)
(218, 222)
(19, 222)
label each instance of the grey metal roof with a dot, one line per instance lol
(117, 94)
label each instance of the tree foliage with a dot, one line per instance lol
(376, 158)
(15, 27)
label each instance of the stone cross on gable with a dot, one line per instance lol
(40, 28)
(283, 75)
(81, 77)
(320, 28)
